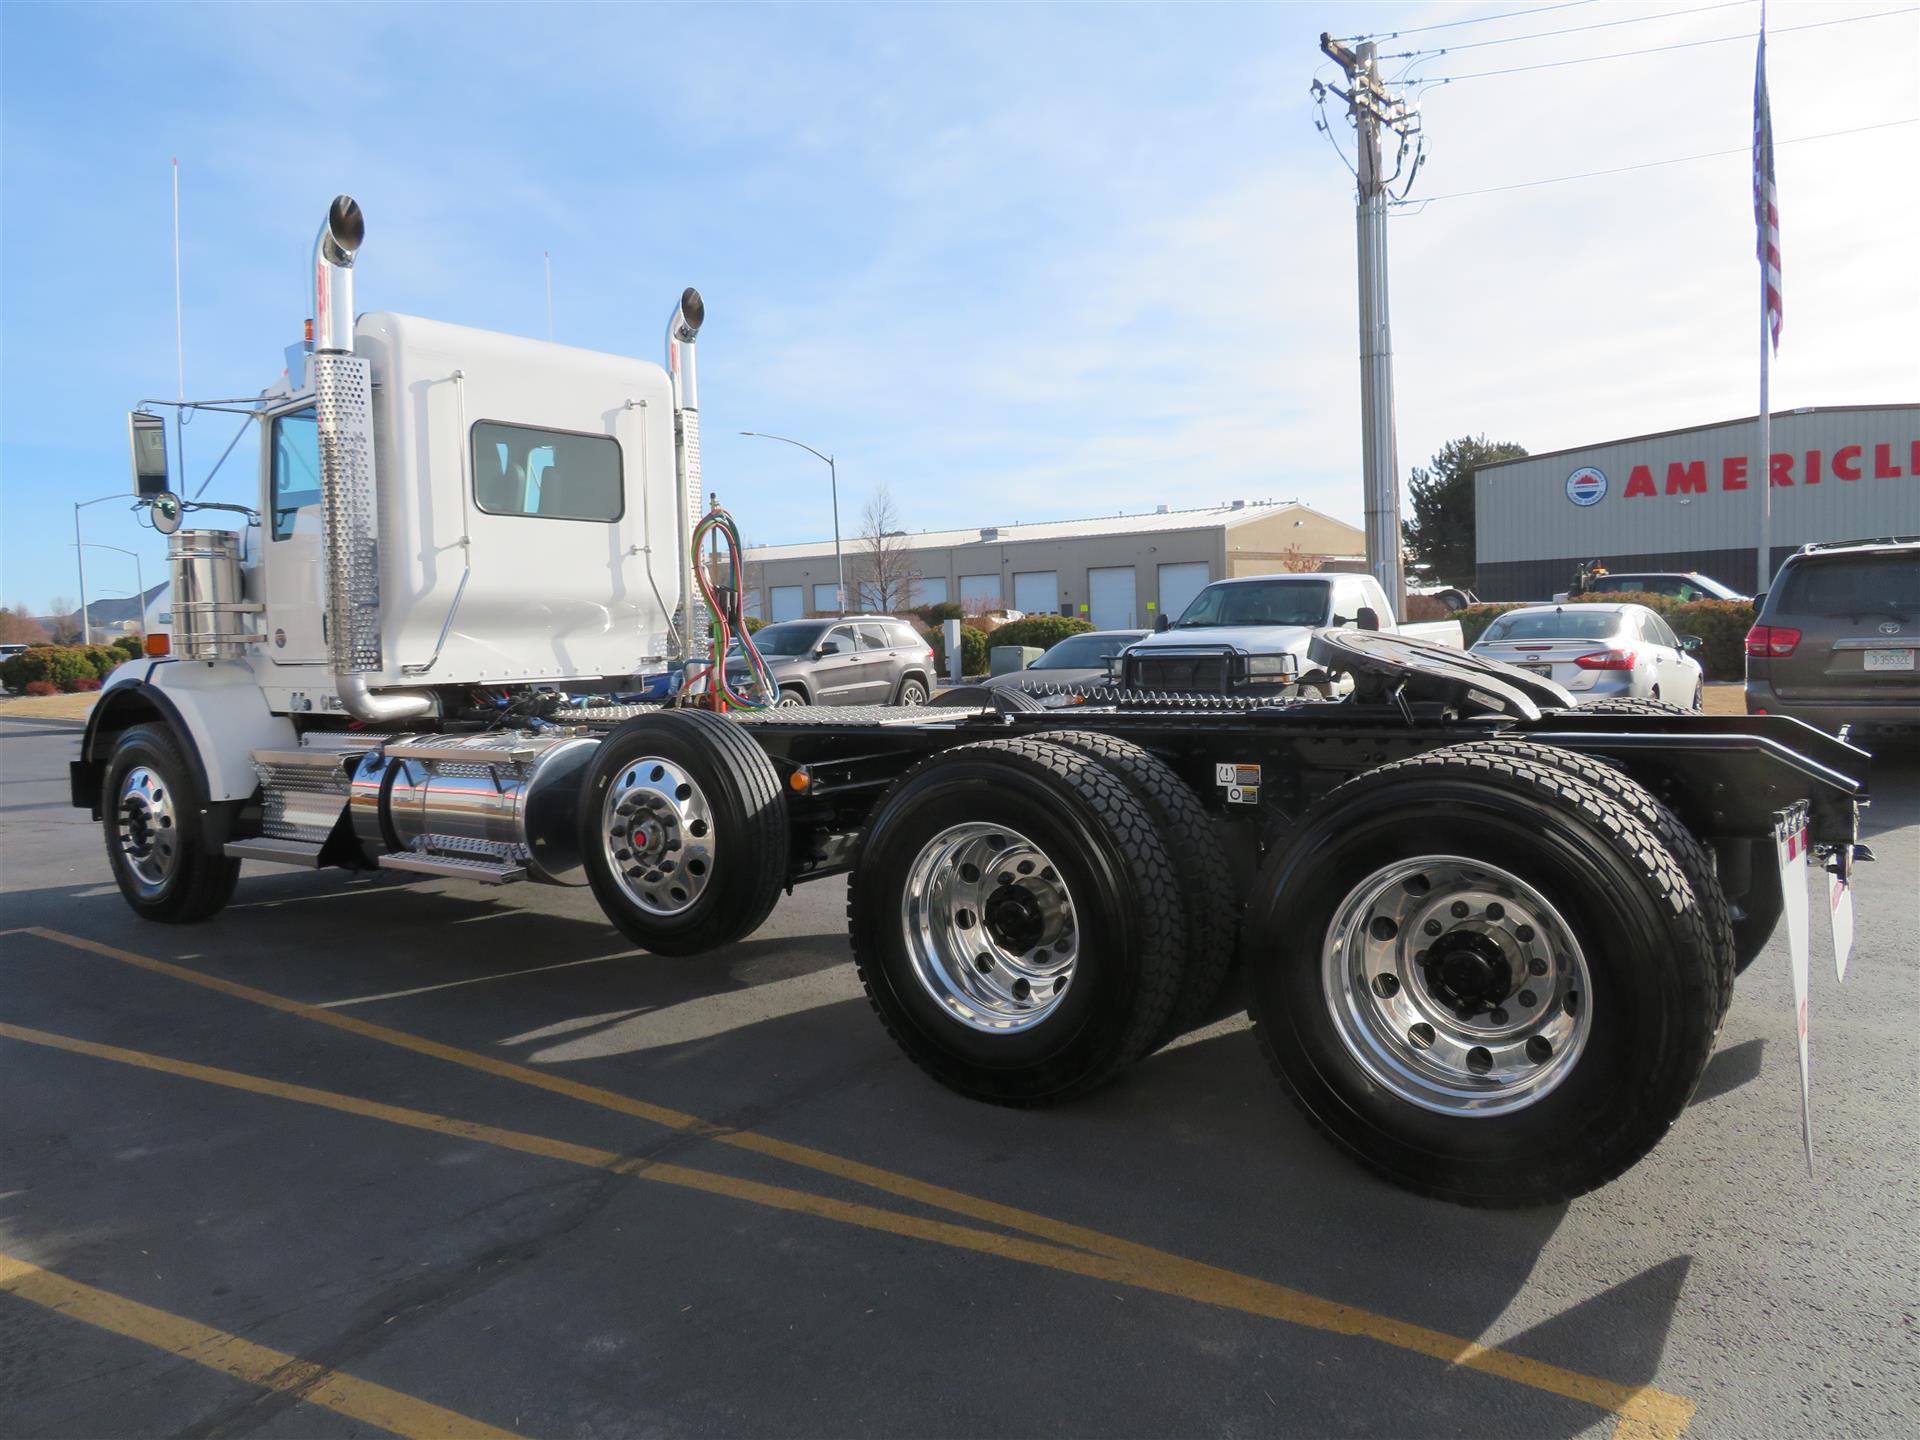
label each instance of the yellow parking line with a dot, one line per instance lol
(1642, 1410)
(217, 1350)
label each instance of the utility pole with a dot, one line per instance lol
(1373, 110)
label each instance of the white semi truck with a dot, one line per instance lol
(1487, 938)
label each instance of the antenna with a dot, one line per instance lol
(179, 346)
(547, 256)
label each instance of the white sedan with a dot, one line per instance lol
(1599, 650)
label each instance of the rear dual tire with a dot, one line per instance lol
(1017, 921)
(1612, 922)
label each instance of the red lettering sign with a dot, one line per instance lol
(1883, 466)
(1688, 479)
(1843, 468)
(1640, 482)
(1733, 473)
(1813, 468)
(1780, 469)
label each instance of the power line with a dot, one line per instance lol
(1435, 80)
(1569, 30)
(1654, 164)
(1477, 20)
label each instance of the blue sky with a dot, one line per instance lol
(1016, 263)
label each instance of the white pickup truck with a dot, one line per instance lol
(1251, 634)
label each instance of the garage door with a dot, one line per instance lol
(1179, 584)
(930, 590)
(825, 600)
(786, 602)
(1037, 591)
(981, 591)
(1110, 598)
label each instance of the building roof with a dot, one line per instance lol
(1693, 430)
(1224, 516)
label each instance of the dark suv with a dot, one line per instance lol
(857, 660)
(1836, 637)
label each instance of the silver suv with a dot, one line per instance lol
(856, 660)
(1836, 638)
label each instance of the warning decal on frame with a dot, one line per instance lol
(1241, 782)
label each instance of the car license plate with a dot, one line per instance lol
(1889, 659)
(1545, 672)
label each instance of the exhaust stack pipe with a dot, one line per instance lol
(343, 410)
(682, 327)
(333, 251)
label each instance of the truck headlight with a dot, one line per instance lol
(1272, 667)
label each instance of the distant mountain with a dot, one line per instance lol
(114, 610)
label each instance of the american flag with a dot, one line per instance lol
(1766, 195)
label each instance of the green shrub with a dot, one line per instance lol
(1040, 631)
(56, 664)
(973, 651)
(103, 658)
(1475, 618)
(131, 647)
(933, 616)
(1723, 625)
(754, 624)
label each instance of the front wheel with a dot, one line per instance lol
(1482, 977)
(150, 811)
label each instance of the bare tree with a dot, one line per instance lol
(63, 619)
(1298, 562)
(884, 572)
(17, 627)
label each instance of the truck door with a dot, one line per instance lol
(290, 564)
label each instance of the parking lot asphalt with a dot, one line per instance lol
(366, 1156)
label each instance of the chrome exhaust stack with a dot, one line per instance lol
(682, 327)
(343, 408)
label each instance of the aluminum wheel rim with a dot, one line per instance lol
(990, 927)
(913, 693)
(1456, 985)
(657, 832)
(149, 838)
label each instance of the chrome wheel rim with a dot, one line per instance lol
(912, 693)
(656, 828)
(149, 838)
(790, 700)
(1456, 985)
(990, 927)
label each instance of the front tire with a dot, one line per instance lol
(683, 830)
(150, 812)
(1016, 921)
(1424, 1033)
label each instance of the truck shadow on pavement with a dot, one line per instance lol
(1195, 1151)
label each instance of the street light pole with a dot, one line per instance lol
(833, 480)
(139, 575)
(80, 558)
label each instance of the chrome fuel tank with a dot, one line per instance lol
(509, 800)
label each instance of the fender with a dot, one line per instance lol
(215, 707)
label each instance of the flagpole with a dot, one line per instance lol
(1763, 557)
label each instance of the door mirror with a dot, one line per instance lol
(147, 438)
(827, 647)
(1162, 624)
(1691, 642)
(1369, 618)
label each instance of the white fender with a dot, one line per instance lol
(218, 707)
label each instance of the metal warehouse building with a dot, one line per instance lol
(1686, 500)
(1118, 571)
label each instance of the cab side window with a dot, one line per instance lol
(837, 641)
(296, 469)
(553, 474)
(873, 637)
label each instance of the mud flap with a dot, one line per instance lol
(1790, 849)
(1840, 911)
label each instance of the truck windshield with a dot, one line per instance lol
(787, 639)
(1585, 623)
(1274, 602)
